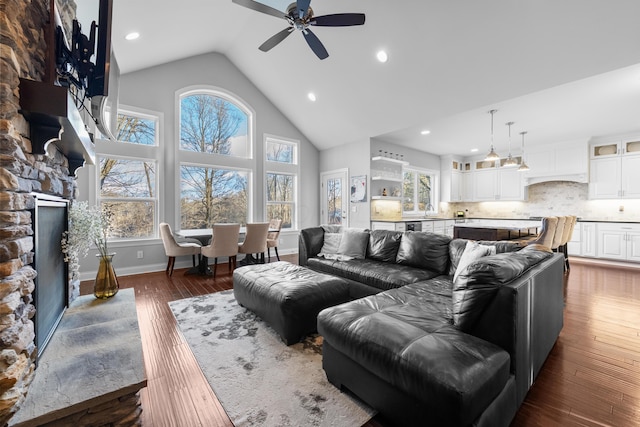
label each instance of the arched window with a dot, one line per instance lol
(215, 155)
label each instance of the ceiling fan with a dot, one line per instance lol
(300, 17)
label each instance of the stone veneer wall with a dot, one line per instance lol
(22, 55)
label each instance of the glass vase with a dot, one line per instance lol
(106, 284)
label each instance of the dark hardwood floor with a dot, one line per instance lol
(591, 378)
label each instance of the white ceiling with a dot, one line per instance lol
(561, 70)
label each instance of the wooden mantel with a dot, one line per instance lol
(54, 118)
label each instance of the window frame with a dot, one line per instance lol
(213, 160)
(127, 150)
(282, 168)
(435, 189)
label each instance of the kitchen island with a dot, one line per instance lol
(506, 231)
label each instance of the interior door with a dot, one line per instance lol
(334, 203)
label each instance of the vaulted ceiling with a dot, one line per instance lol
(560, 70)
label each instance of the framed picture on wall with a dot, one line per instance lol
(359, 189)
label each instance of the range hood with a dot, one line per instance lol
(582, 178)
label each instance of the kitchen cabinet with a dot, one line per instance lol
(587, 239)
(386, 178)
(498, 184)
(444, 227)
(385, 225)
(562, 161)
(454, 175)
(619, 241)
(615, 171)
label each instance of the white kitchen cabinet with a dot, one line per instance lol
(386, 225)
(444, 227)
(574, 244)
(558, 161)
(615, 170)
(502, 184)
(454, 180)
(618, 241)
(587, 239)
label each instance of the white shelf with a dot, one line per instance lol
(387, 159)
(385, 198)
(383, 178)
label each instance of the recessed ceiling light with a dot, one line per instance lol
(473, 150)
(311, 96)
(382, 56)
(132, 36)
(425, 132)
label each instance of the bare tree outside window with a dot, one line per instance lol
(128, 186)
(208, 195)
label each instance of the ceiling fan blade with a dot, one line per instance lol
(259, 7)
(275, 39)
(303, 7)
(315, 44)
(338, 20)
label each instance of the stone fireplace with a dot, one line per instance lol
(25, 45)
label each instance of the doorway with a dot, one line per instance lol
(334, 199)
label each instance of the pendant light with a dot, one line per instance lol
(510, 162)
(523, 166)
(492, 153)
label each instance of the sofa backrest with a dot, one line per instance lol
(429, 251)
(383, 245)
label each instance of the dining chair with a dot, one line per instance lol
(546, 234)
(174, 249)
(569, 225)
(275, 225)
(557, 238)
(224, 243)
(255, 240)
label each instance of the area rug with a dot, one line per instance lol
(257, 378)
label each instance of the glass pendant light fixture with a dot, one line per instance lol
(510, 162)
(492, 153)
(523, 166)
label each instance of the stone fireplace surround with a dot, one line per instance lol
(23, 51)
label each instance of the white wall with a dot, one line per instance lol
(155, 89)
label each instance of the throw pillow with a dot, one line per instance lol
(330, 246)
(472, 252)
(353, 245)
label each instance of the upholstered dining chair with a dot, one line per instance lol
(255, 240)
(569, 225)
(547, 232)
(275, 225)
(174, 249)
(224, 243)
(557, 238)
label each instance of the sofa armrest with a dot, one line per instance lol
(309, 244)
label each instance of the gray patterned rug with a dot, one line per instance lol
(257, 378)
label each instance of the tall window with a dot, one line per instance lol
(128, 176)
(215, 160)
(281, 177)
(419, 191)
(214, 125)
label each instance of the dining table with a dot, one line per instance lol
(204, 235)
(493, 232)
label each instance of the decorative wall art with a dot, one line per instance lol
(359, 189)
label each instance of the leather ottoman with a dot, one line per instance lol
(288, 297)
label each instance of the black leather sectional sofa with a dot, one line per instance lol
(425, 349)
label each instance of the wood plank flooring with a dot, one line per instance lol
(591, 378)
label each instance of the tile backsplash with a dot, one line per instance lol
(551, 199)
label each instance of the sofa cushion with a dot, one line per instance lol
(424, 250)
(353, 244)
(373, 273)
(395, 337)
(479, 281)
(330, 245)
(472, 252)
(383, 245)
(457, 247)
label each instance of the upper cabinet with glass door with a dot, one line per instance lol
(619, 148)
